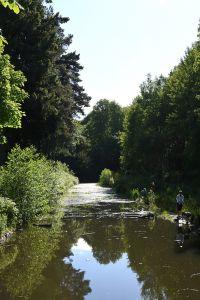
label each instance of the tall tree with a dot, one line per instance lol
(38, 46)
(160, 140)
(12, 95)
(143, 140)
(102, 128)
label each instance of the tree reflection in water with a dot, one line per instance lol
(23, 269)
(107, 243)
(33, 266)
(162, 271)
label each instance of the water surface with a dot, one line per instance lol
(95, 256)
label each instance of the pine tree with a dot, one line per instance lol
(37, 46)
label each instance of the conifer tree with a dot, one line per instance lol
(37, 46)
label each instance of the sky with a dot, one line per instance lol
(120, 42)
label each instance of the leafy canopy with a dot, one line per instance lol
(12, 4)
(40, 49)
(12, 95)
(160, 140)
(102, 128)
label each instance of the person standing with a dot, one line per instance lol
(153, 186)
(144, 192)
(179, 202)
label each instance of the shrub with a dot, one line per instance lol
(123, 184)
(166, 200)
(3, 223)
(34, 183)
(61, 180)
(106, 178)
(8, 214)
(134, 194)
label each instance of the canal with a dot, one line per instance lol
(98, 253)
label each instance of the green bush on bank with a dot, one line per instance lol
(124, 185)
(60, 181)
(106, 178)
(8, 215)
(34, 183)
(134, 194)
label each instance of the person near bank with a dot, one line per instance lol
(179, 202)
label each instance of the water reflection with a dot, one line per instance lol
(162, 272)
(29, 252)
(32, 266)
(102, 287)
(100, 258)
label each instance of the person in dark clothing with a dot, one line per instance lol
(179, 202)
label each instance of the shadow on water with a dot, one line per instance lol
(100, 258)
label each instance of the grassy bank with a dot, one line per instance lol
(31, 187)
(162, 201)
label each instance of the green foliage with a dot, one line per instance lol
(8, 215)
(134, 194)
(33, 182)
(141, 140)
(60, 181)
(15, 7)
(12, 95)
(35, 248)
(161, 133)
(166, 200)
(11, 85)
(76, 156)
(106, 178)
(40, 49)
(12, 4)
(3, 223)
(152, 202)
(102, 128)
(7, 256)
(160, 140)
(32, 252)
(2, 42)
(124, 184)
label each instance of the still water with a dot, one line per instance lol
(98, 255)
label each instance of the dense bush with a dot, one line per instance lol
(124, 184)
(106, 178)
(134, 194)
(8, 214)
(34, 183)
(60, 179)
